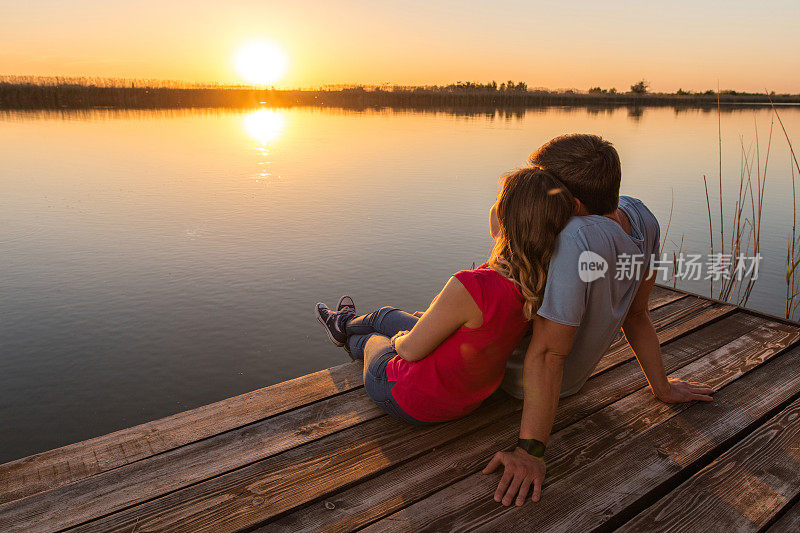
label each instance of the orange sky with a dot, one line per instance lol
(687, 44)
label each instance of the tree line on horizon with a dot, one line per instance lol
(641, 87)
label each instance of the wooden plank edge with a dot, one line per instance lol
(788, 519)
(763, 314)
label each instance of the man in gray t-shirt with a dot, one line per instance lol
(599, 279)
(594, 274)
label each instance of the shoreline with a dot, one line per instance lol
(43, 97)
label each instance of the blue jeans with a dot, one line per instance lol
(369, 335)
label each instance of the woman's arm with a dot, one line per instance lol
(451, 309)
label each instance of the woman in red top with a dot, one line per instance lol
(441, 365)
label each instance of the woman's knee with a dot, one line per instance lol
(376, 345)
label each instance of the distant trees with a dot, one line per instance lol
(471, 86)
(640, 87)
(467, 86)
(598, 90)
(511, 86)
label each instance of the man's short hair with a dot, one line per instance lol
(589, 167)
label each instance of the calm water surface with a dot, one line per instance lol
(152, 262)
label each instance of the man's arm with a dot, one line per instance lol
(641, 335)
(542, 372)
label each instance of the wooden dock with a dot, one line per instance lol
(314, 453)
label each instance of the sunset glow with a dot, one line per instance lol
(261, 62)
(581, 44)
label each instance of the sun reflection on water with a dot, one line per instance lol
(264, 125)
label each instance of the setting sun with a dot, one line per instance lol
(261, 62)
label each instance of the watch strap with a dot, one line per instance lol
(534, 447)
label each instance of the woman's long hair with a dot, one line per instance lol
(533, 207)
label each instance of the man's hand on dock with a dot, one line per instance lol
(679, 391)
(521, 471)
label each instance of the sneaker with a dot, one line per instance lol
(346, 303)
(334, 322)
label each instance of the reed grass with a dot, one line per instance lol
(679, 247)
(745, 231)
(792, 261)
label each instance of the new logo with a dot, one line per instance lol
(591, 266)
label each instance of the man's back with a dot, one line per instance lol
(593, 276)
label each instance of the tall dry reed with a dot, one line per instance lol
(745, 230)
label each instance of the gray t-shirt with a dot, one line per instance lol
(580, 292)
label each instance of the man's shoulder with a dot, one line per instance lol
(630, 203)
(645, 217)
(629, 200)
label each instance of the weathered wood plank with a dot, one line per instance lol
(275, 486)
(665, 314)
(742, 490)
(638, 470)
(569, 450)
(675, 320)
(286, 479)
(63, 465)
(661, 295)
(789, 522)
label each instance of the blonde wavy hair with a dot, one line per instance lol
(533, 206)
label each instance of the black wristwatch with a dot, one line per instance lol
(532, 446)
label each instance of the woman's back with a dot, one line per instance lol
(469, 365)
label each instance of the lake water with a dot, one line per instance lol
(152, 262)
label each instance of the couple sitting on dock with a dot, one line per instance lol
(560, 230)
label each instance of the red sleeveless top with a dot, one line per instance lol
(469, 365)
